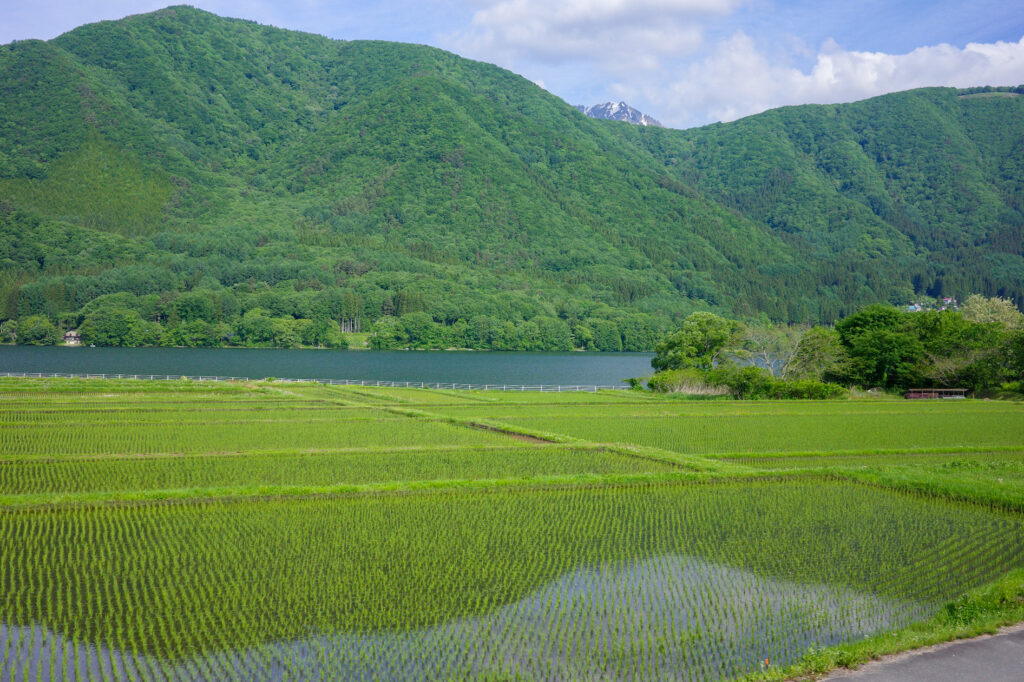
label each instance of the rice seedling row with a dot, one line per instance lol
(469, 399)
(738, 409)
(310, 469)
(132, 420)
(780, 433)
(24, 385)
(1008, 462)
(254, 435)
(673, 582)
(26, 412)
(473, 571)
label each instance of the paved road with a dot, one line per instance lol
(991, 658)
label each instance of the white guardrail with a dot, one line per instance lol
(551, 388)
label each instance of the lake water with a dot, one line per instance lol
(590, 369)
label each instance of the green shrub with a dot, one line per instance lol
(37, 330)
(688, 380)
(750, 383)
(755, 383)
(808, 389)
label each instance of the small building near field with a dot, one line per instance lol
(72, 338)
(935, 393)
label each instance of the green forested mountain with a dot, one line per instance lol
(180, 178)
(920, 191)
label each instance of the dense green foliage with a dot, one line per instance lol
(697, 343)
(754, 383)
(180, 179)
(912, 194)
(886, 347)
(980, 349)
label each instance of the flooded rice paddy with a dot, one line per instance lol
(671, 617)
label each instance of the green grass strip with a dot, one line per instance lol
(956, 450)
(692, 462)
(990, 491)
(980, 611)
(9, 503)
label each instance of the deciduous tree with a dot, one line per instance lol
(698, 343)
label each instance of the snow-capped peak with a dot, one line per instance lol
(618, 111)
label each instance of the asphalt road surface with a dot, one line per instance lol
(990, 658)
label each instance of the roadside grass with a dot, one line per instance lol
(981, 611)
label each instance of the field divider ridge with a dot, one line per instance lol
(534, 436)
(693, 462)
(284, 452)
(47, 501)
(23, 503)
(954, 450)
(687, 461)
(1004, 496)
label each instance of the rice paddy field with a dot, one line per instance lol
(292, 531)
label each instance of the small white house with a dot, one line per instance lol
(72, 338)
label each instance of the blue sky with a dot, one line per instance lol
(685, 62)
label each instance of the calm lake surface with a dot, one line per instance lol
(601, 369)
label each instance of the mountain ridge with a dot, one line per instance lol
(309, 177)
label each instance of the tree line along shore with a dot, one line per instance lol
(979, 346)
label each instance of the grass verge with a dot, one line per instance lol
(981, 611)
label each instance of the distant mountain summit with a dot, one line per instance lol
(619, 112)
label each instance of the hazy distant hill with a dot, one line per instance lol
(179, 152)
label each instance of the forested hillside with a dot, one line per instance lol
(921, 189)
(184, 179)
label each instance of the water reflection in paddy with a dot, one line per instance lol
(669, 617)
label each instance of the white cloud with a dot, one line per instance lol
(736, 79)
(654, 53)
(622, 34)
